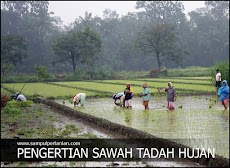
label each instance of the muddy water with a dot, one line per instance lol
(86, 128)
(197, 121)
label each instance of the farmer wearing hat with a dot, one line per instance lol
(128, 95)
(171, 97)
(145, 95)
(79, 99)
(119, 96)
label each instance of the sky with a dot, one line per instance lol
(70, 10)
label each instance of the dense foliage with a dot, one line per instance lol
(224, 70)
(203, 34)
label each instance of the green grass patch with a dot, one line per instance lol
(189, 72)
(5, 92)
(180, 80)
(45, 90)
(105, 88)
(152, 85)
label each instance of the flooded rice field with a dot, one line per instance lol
(83, 130)
(197, 121)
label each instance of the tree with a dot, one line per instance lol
(32, 21)
(209, 37)
(41, 72)
(90, 44)
(162, 11)
(76, 46)
(161, 41)
(13, 50)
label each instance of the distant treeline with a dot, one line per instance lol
(160, 35)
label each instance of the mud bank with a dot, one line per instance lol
(131, 133)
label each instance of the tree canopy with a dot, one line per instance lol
(13, 50)
(161, 41)
(78, 46)
(204, 33)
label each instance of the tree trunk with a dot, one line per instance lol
(158, 60)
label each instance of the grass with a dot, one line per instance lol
(79, 75)
(206, 78)
(180, 80)
(105, 88)
(100, 87)
(45, 90)
(29, 120)
(5, 92)
(189, 72)
(159, 84)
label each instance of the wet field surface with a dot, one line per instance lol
(197, 121)
(86, 129)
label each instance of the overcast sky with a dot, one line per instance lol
(70, 10)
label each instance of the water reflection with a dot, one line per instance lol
(195, 121)
(225, 117)
(146, 117)
(128, 116)
(171, 117)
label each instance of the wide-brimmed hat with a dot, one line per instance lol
(144, 85)
(128, 84)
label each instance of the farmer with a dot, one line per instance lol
(171, 97)
(146, 95)
(19, 97)
(128, 95)
(119, 96)
(79, 99)
(223, 94)
(218, 80)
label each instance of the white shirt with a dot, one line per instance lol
(218, 76)
(78, 97)
(21, 97)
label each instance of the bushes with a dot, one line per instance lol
(104, 73)
(14, 107)
(19, 79)
(89, 75)
(224, 70)
(4, 100)
(189, 72)
(157, 72)
(130, 74)
(42, 74)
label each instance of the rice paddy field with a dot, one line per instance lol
(105, 88)
(198, 120)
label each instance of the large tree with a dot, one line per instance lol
(78, 46)
(209, 37)
(13, 51)
(161, 41)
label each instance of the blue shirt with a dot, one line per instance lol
(223, 91)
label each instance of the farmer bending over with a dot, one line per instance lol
(79, 99)
(19, 97)
(121, 97)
